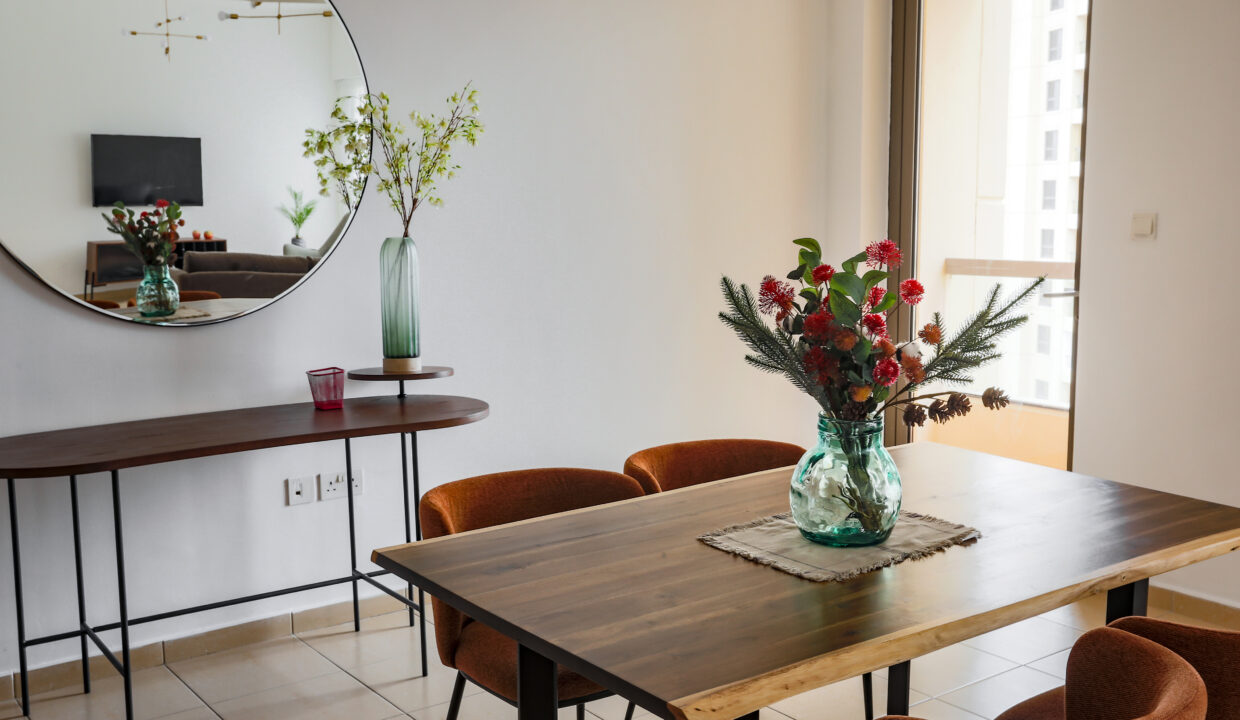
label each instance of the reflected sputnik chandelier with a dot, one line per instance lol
(164, 28)
(280, 16)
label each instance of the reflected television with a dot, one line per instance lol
(140, 169)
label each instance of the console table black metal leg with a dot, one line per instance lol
(17, 591)
(127, 669)
(1130, 599)
(77, 567)
(348, 480)
(404, 476)
(537, 691)
(897, 688)
(417, 527)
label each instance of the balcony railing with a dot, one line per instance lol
(981, 267)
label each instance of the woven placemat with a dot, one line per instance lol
(776, 541)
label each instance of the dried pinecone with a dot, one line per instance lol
(938, 411)
(958, 404)
(994, 399)
(854, 411)
(914, 414)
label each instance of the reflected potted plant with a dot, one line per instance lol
(830, 339)
(152, 236)
(298, 215)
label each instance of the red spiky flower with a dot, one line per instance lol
(876, 295)
(876, 324)
(775, 296)
(820, 365)
(823, 274)
(912, 291)
(883, 252)
(818, 325)
(886, 372)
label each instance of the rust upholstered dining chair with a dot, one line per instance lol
(479, 654)
(1214, 654)
(668, 467)
(1116, 675)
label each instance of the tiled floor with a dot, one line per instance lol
(335, 674)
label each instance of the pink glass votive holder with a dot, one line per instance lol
(327, 387)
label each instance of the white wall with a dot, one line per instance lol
(1155, 403)
(247, 93)
(634, 152)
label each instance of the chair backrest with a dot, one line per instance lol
(489, 500)
(191, 295)
(1115, 675)
(1214, 654)
(682, 464)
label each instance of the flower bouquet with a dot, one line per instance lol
(830, 338)
(152, 236)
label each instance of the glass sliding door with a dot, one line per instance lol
(999, 139)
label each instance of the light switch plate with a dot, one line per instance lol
(1144, 226)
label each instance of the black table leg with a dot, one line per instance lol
(897, 688)
(867, 693)
(81, 591)
(348, 480)
(17, 591)
(417, 533)
(537, 690)
(750, 716)
(127, 673)
(404, 476)
(1130, 599)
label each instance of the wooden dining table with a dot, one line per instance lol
(625, 594)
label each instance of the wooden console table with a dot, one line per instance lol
(102, 448)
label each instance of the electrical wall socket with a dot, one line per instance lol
(299, 491)
(331, 485)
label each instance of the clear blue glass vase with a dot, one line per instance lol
(398, 284)
(846, 490)
(157, 294)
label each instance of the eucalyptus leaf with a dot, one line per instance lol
(888, 302)
(850, 265)
(809, 244)
(846, 311)
(874, 277)
(849, 283)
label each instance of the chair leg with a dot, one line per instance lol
(581, 711)
(867, 689)
(458, 689)
(628, 714)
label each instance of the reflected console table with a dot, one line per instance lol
(98, 449)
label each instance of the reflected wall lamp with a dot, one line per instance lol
(164, 28)
(280, 16)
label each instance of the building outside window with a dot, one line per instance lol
(1052, 96)
(1041, 390)
(1056, 5)
(1054, 45)
(1048, 243)
(1044, 339)
(1050, 149)
(1048, 194)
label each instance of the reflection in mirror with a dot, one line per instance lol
(135, 101)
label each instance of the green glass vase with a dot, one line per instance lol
(846, 490)
(157, 294)
(398, 284)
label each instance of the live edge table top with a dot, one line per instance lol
(625, 595)
(116, 446)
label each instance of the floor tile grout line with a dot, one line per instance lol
(193, 692)
(256, 692)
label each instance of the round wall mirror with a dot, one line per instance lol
(202, 103)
